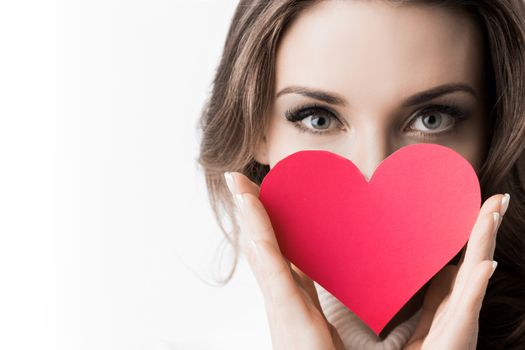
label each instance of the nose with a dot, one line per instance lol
(372, 145)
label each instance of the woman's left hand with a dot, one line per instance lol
(450, 312)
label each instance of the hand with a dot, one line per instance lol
(292, 305)
(450, 312)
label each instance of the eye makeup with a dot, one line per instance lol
(296, 115)
(450, 108)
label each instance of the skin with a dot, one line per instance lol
(450, 312)
(406, 50)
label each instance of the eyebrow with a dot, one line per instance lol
(416, 99)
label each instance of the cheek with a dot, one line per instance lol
(281, 143)
(472, 148)
(284, 139)
(473, 153)
(470, 140)
(477, 149)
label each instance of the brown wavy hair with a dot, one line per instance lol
(235, 116)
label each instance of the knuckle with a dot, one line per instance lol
(267, 230)
(252, 201)
(275, 268)
(255, 204)
(250, 255)
(484, 224)
(493, 202)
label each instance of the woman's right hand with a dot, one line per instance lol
(292, 306)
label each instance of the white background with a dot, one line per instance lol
(103, 210)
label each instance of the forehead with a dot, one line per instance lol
(362, 47)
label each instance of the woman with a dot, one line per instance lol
(362, 79)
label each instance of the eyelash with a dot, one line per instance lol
(297, 114)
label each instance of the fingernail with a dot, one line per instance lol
(230, 182)
(239, 201)
(494, 265)
(504, 204)
(496, 217)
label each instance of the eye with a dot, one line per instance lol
(433, 121)
(318, 121)
(314, 118)
(437, 119)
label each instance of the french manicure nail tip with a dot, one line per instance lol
(239, 200)
(494, 265)
(495, 216)
(230, 182)
(504, 204)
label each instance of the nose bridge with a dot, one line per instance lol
(372, 145)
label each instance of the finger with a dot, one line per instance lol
(254, 219)
(240, 186)
(486, 209)
(503, 209)
(308, 285)
(480, 243)
(436, 293)
(466, 313)
(240, 183)
(271, 269)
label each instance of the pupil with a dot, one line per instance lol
(432, 119)
(319, 121)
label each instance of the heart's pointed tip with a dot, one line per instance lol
(287, 191)
(377, 330)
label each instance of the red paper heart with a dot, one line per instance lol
(373, 244)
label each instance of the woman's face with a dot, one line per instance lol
(374, 77)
